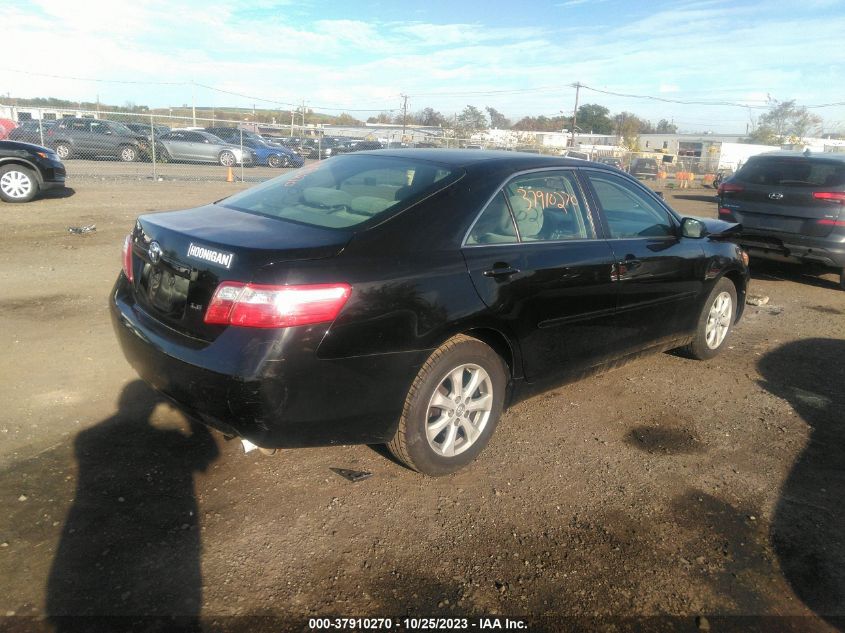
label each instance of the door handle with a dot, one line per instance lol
(503, 270)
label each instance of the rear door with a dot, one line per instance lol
(198, 147)
(177, 145)
(537, 263)
(659, 274)
(787, 195)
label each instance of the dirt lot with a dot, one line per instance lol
(665, 488)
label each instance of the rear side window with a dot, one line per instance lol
(536, 207)
(793, 172)
(344, 191)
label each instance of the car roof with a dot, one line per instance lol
(466, 158)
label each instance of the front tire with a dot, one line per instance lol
(452, 408)
(275, 161)
(715, 322)
(17, 184)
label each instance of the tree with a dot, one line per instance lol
(346, 119)
(471, 120)
(383, 117)
(783, 119)
(629, 126)
(594, 118)
(664, 127)
(429, 117)
(497, 119)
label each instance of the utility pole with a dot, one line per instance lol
(404, 114)
(575, 113)
(193, 103)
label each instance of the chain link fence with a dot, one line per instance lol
(155, 146)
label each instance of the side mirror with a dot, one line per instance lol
(660, 195)
(690, 227)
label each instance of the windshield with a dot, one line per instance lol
(120, 128)
(344, 191)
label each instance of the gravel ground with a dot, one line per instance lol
(667, 487)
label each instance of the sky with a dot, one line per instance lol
(520, 57)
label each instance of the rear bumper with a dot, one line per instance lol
(828, 251)
(267, 386)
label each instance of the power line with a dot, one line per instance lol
(190, 83)
(679, 101)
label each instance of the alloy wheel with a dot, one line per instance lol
(459, 410)
(718, 320)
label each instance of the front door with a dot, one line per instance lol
(536, 262)
(660, 274)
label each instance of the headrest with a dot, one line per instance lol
(369, 205)
(528, 219)
(326, 197)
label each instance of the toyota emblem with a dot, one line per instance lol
(155, 252)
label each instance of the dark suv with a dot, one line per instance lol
(96, 138)
(790, 207)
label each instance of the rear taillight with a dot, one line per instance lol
(830, 222)
(724, 211)
(729, 187)
(830, 196)
(253, 305)
(127, 258)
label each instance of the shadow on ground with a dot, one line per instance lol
(808, 531)
(700, 197)
(769, 270)
(130, 545)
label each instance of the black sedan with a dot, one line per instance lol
(26, 169)
(407, 297)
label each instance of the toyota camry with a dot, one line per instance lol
(408, 296)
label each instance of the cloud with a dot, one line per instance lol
(711, 49)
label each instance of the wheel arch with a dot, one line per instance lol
(739, 281)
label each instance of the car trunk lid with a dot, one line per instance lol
(180, 258)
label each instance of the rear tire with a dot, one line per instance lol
(128, 154)
(17, 184)
(452, 408)
(842, 279)
(227, 159)
(715, 323)
(63, 150)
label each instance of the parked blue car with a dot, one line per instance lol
(273, 155)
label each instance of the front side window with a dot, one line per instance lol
(344, 191)
(628, 212)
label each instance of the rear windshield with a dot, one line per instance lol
(344, 191)
(793, 172)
